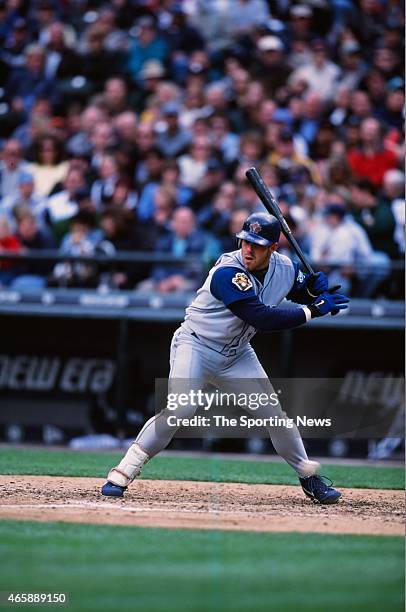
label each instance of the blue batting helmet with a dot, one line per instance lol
(260, 228)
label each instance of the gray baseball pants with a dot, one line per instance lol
(190, 359)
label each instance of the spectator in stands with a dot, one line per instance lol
(360, 105)
(371, 160)
(32, 275)
(285, 157)
(27, 197)
(155, 195)
(321, 75)
(48, 167)
(338, 244)
(352, 64)
(38, 123)
(375, 216)
(114, 98)
(208, 186)
(167, 178)
(97, 62)
(215, 217)
(392, 112)
(28, 83)
(245, 14)
(11, 167)
(62, 61)
(125, 125)
(121, 230)
(15, 43)
(311, 116)
(193, 165)
(393, 185)
(182, 38)
(300, 22)
(184, 239)
(394, 196)
(9, 243)
(236, 221)
(124, 196)
(81, 143)
(62, 206)
(80, 241)
(226, 142)
(175, 139)
(150, 168)
(103, 187)
(271, 68)
(102, 141)
(149, 45)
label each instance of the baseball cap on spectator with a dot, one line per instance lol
(20, 24)
(394, 176)
(24, 178)
(82, 194)
(301, 11)
(299, 173)
(353, 121)
(196, 68)
(395, 84)
(213, 165)
(262, 28)
(318, 44)
(393, 24)
(152, 69)
(170, 108)
(147, 21)
(335, 209)
(350, 47)
(282, 115)
(270, 43)
(177, 9)
(286, 135)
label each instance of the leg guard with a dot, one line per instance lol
(129, 467)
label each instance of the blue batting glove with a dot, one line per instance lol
(316, 283)
(334, 290)
(328, 303)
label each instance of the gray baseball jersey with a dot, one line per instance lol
(210, 319)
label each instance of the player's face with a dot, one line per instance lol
(255, 256)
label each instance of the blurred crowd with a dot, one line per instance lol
(129, 125)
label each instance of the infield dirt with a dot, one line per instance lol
(200, 505)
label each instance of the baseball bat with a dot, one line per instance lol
(267, 199)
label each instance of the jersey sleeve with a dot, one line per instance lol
(267, 318)
(231, 285)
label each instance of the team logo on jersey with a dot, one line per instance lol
(255, 228)
(241, 281)
(300, 277)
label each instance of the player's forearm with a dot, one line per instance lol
(265, 318)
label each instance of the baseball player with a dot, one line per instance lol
(239, 297)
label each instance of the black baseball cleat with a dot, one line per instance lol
(319, 490)
(112, 490)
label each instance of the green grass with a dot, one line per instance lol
(67, 463)
(108, 568)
